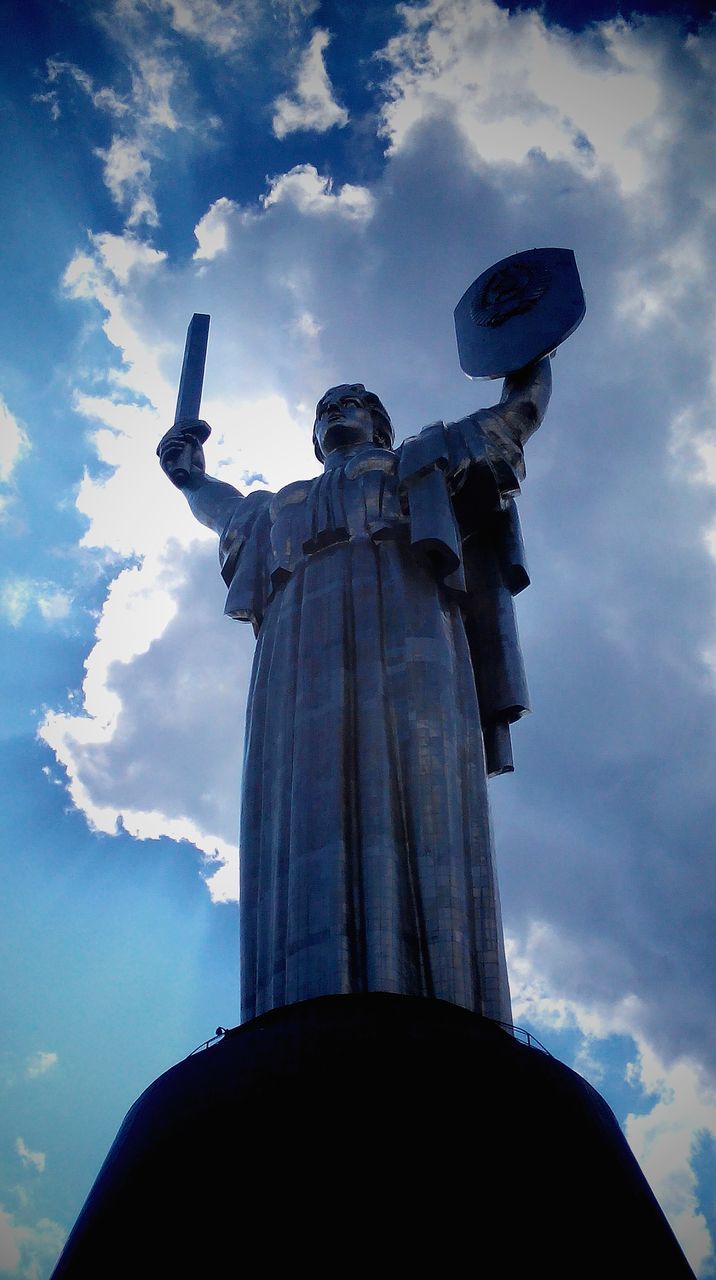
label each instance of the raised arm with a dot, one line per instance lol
(497, 436)
(212, 501)
(524, 399)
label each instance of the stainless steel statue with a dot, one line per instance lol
(386, 674)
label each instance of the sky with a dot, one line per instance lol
(326, 180)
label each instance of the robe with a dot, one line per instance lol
(386, 673)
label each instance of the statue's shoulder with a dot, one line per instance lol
(297, 491)
(426, 449)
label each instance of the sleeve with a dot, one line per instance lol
(244, 557)
(497, 436)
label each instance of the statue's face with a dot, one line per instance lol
(342, 420)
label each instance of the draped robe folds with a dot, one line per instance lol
(386, 672)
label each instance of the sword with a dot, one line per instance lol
(190, 387)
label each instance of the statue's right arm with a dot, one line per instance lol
(212, 501)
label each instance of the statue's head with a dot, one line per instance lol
(347, 415)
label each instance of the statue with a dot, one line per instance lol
(387, 672)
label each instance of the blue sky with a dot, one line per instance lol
(326, 179)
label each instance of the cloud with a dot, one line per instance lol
(10, 1236)
(34, 1159)
(141, 117)
(98, 276)
(212, 229)
(664, 1136)
(311, 193)
(664, 1142)
(29, 1251)
(224, 27)
(127, 171)
(100, 747)
(54, 604)
(313, 105)
(604, 833)
(514, 83)
(154, 80)
(14, 442)
(125, 254)
(40, 1063)
(20, 596)
(103, 99)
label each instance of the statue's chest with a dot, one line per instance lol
(360, 499)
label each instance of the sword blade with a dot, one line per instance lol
(192, 372)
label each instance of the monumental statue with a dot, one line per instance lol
(387, 672)
(386, 676)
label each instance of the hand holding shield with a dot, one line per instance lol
(518, 311)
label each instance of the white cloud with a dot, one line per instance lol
(663, 1139)
(20, 596)
(222, 26)
(211, 230)
(141, 117)
(17, 595)
(162, 600)
(34, 1159)
(311, 193)
(512, 83)
(313, 105)
(124, 254)
(96, 277)
(29, 1251)
(52, 101)
(10, 1237)
(308, 325)
(14, 442)
(153, 82)
(656, 293)
(54, 604)
(104, 98)
(148, 103)
(40, 1063)
(98, 746)
(127, 172)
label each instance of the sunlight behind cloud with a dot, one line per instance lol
(211, 231)
(311, 193)
(122, 255)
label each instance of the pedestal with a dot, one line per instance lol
(371, 1131)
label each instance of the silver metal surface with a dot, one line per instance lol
(191, 381)
(386, 675)
(518, 311)
(189, 431)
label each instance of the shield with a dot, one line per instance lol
(518, 311)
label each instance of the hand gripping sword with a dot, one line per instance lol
(190, 386)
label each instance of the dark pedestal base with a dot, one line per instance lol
(379, 1132)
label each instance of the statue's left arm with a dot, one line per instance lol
(501, 432)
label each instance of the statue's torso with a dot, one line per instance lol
(355, 498)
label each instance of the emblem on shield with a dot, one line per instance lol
(517, 311)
